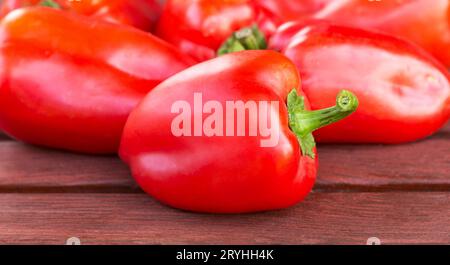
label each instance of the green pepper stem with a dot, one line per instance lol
(50, 3)
(309, 121)
(304, 122)
(250, 38)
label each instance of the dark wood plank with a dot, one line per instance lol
(423, 165)
(25, 168)
(324, 218)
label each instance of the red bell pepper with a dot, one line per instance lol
(199, 27)
(424, 22)
(142, 14)
(69, 83)
(183, 145)
(281, 11)
(404, 92)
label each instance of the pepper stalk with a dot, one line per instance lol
(50, 3)
(249, 38)
(304, 122)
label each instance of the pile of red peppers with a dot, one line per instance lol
(216, 105)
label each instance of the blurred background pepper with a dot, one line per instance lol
(73, 89)
(198, 27)
(424, 22)
(142, 14)
(404, 92)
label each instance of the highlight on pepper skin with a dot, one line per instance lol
(141, 14)
(430, 29)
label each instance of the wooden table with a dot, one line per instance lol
(400, 194)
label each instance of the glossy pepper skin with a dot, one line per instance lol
(424, 22)
(73, 89)
(280, 11)
(228, 174)
(142, 14)
(404, 92)
(198, 27)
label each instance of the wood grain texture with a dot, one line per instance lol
(324, 218)
(47, 196)
(423, 165)
(420, 166)
(25, 168)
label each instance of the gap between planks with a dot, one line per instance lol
(416, 167)
(320, 188)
